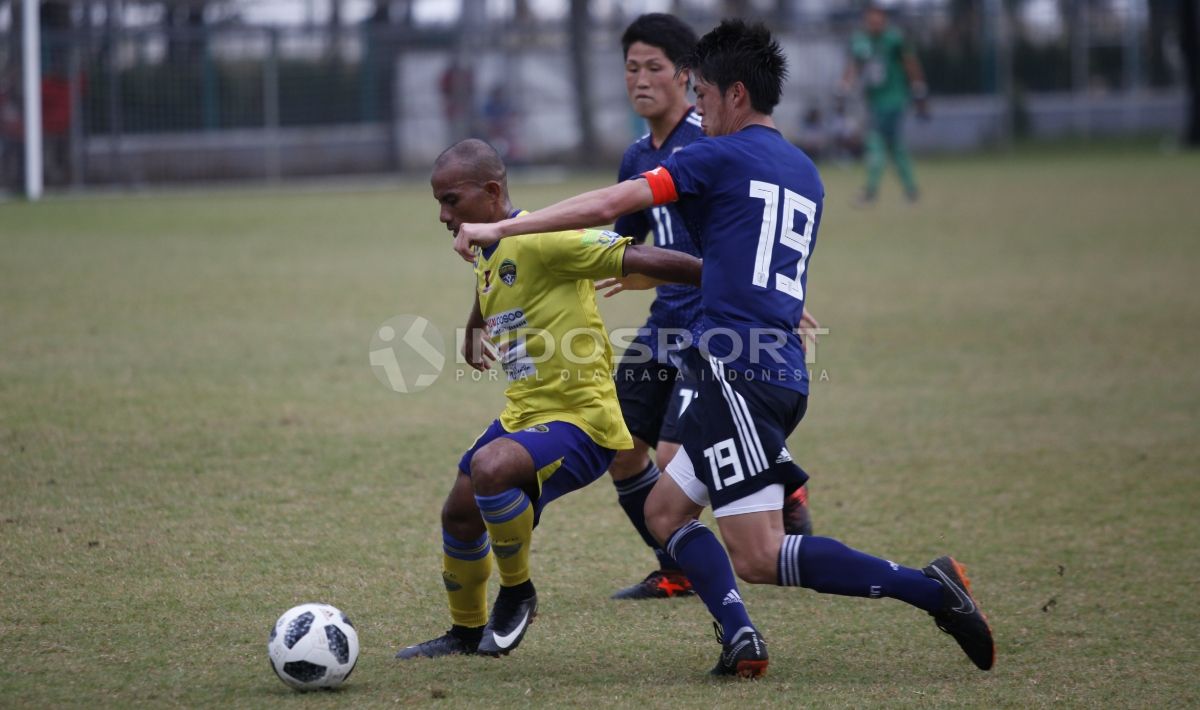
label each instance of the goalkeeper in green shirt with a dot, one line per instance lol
(883, 62)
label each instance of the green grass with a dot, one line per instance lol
(192, 440)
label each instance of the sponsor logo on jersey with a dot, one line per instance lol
(538, 429)
(506, 322)
(487, 281)
(508, 272)
(514, 359)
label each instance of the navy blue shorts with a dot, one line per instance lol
(653, 395)
(735, 432)
(565, 458)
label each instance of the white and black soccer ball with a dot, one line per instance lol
(313, 646)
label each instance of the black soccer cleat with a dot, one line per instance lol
(659, 584)
(744, 655)
(960, 615)
(507, 625)
(796, 520)
(451, 643)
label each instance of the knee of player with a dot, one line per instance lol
(629, 462)
(488, 473)
(461, 518)
(661, 522)
(755, 569)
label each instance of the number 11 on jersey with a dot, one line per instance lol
(788, 236)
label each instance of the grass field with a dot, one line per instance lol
(192, 440)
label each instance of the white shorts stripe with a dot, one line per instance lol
(756, 459)
(754, 438)
(719, 371)
(754, 452)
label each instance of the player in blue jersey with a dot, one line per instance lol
(651, 394)
(649, 386)
(754, 202)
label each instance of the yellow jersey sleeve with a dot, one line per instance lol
(583, 253)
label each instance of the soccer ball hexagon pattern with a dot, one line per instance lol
(313, 646)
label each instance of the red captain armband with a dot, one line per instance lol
(662, 187)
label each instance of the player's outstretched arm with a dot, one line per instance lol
(646, 267)
(591, 209)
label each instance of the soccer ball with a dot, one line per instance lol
(313, 646)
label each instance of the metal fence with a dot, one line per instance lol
(151, 104)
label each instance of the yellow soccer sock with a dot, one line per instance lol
(466, 567)
(509, 520)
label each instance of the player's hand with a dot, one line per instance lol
(807, 328)
(478, 350)
(474, 235)
(632, 282)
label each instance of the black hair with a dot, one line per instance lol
(669, 33)
(478, 157)
(735, 51)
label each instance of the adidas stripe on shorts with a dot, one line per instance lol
(734, 435)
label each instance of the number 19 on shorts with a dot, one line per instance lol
(720, 455)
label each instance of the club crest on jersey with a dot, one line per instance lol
(508, 272)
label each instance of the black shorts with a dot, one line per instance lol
(653, 395)
(735, 433)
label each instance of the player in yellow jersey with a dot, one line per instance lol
(536, 304)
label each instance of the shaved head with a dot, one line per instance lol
(474, 160)
(470, 183)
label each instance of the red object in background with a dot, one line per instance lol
(56, 110)
(56, 105)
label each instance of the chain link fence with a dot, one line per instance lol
(151, 104)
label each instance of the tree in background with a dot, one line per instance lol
(580, 26)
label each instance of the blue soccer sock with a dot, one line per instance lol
(706, 564)
(827, 566)
(631, 494)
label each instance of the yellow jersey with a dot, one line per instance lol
(539, 308)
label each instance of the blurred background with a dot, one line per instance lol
(139, 92)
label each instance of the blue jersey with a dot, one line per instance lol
(675, 305)
(753, 201)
